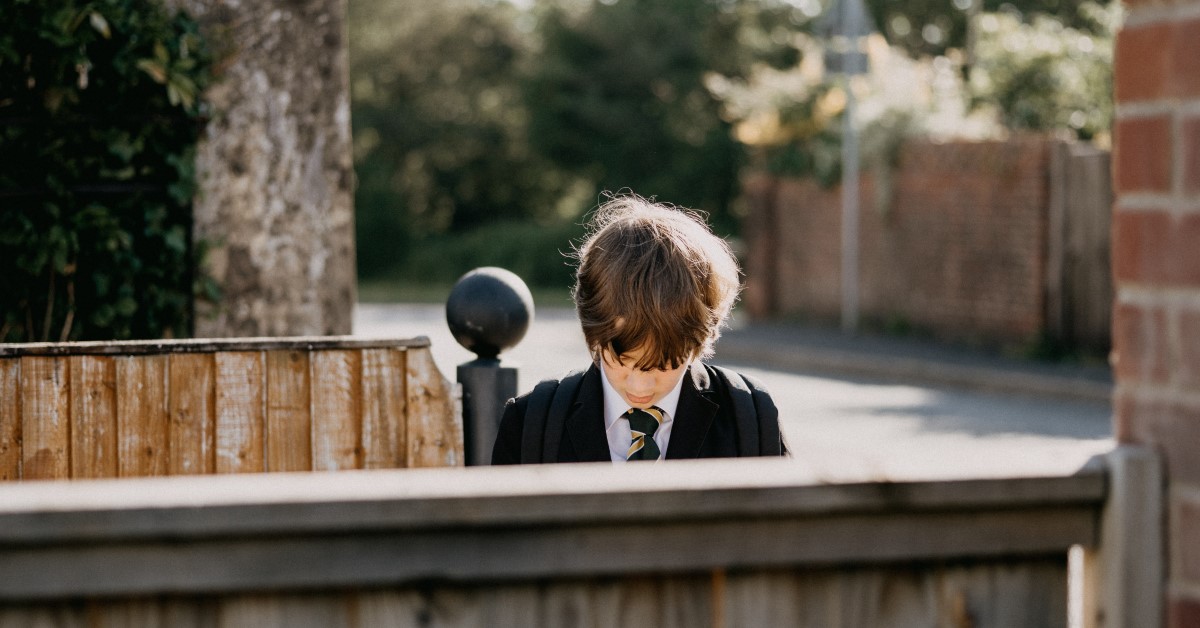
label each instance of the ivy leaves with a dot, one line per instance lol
(100, 107)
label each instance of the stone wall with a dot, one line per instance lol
(274, 169)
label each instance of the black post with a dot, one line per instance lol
(488, 311)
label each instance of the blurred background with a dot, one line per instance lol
(484, 130)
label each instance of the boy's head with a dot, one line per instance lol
(653, 282)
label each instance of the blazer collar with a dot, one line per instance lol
(694, 416)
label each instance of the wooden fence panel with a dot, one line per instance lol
(239, 401)
(383, 402)
(289, 412)
(192, 406)
(45, 410)
(93, 416)
(337, 428)
(435, 436)
(142, 408)
(143, 435)
(10, 419)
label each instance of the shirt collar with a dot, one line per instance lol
(615, 405)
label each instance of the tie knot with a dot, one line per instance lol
(645, 421)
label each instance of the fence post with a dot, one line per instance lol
(489, 310)
(1123, 578)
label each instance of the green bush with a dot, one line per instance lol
(99, 114)
(540, 255)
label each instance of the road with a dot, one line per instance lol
(845, 429)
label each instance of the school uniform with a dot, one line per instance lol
(702, 425)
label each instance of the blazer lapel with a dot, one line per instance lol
(694, 415)
(585, 422)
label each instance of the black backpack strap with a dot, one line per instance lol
(769, 437)
(533, 426)
(545, 415)
(744, 413)
(556, 418)
(755, 414)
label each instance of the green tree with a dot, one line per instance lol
(619, 98)
(439, 125)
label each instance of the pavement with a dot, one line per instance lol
(832, 352)
(852, 406)
(554, 344)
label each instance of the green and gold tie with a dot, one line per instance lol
(643, 424)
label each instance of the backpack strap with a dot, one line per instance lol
(545, 417)
(754, 413)
(769, 437)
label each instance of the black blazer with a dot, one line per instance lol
(703, 425)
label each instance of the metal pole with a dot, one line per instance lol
(486, 385)
(849, 213)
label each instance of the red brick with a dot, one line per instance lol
(1183, 613)
(1140, 348)
(1141, 62)
(1142, 155)
(1191, 153)
(1189, 349)
(1186, 533)
(1171, 426)
(1185, 59)
(1156, 248)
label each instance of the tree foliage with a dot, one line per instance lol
(99, 103)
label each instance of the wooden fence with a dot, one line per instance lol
(690, 544)
(181, 407)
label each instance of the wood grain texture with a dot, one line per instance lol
(336, 403)
(45, 422)
(207, 345)
(143, 435)
(435, 436)
(384, 425)
(10, 419)
(239, 412)
(192, 408)
(93, 416)
(289, 412)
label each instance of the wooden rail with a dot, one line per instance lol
(717, 543)
(182, 407)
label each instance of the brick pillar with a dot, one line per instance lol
(1156, 267)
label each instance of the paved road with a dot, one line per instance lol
(844, 427)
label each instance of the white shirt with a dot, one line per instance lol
(616, 424)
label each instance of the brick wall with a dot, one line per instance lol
(958, 248)
(1156, 267)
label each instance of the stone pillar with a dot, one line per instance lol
(274, 169)
(1156, 269)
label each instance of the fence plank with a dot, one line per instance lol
(434, 426)
(93, 416)
(192, 407)
(44, 418)
(289, 419)
(336, 394)
(383, 405)
(239, 407)
(143, 442)
(285, 611)
(10, 419)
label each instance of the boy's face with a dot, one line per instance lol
(639, 388)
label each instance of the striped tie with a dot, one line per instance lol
(643, 424)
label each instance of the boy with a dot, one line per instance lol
(652, 289)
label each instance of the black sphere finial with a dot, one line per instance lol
(489, 310)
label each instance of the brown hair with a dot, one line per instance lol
(653, 277)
